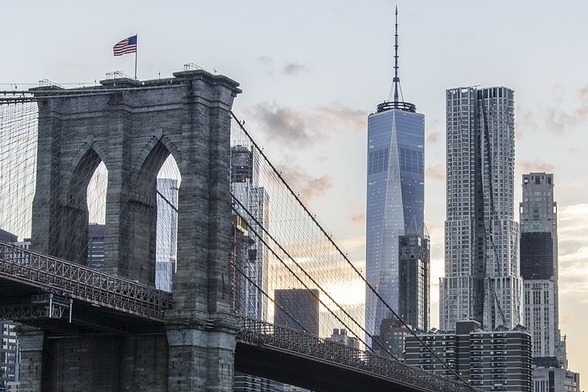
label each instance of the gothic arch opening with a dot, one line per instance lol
(168, 187)
(153, 213)
(97, 191)
(73, 240)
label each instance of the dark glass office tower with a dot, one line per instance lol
(297, 309)
(414, 278)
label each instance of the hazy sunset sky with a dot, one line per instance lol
(312, 71)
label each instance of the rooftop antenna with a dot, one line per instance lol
(395, 100)
(396, 79)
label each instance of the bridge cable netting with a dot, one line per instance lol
(287, 269)
(304, 258)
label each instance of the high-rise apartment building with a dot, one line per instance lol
(538, 257)
(482, 280)
(395, 196)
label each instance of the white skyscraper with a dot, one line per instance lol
(482, 280)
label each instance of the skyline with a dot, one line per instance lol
(341, 52)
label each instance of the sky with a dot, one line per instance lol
(312, 71)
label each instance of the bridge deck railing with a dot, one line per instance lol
(65, 278)
(257, 332)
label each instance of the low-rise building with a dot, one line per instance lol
(554, 379)
(498, 360)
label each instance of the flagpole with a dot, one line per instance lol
(136, 52)
(135, 65)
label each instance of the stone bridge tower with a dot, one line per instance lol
(133, 126)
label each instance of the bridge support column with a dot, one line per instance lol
(31, 358)
(201, 360)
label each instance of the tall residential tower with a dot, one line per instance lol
(482, 280)
(395, 195)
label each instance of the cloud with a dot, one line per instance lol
(284, 125)
(557, 92)
(294, 68)
(342, 116)
(311, 187)
(573, 250)
(273, 69)
(526, 123)
(434, 137)
(436, 172)
(582, 112)
(435, 132)
(559, 122)
(301, 128)
(358, 219)
(265, 60)
(583, 93)
(525, 166)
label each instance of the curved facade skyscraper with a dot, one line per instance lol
(482, 280)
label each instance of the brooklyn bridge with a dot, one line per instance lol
(253, 284)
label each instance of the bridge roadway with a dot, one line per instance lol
(39, 290)
(63, 298)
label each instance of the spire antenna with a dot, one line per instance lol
(396, 79)
(395, 99)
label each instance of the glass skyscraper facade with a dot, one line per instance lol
(482, 280)
(395, 199)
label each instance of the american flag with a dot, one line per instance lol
(127, 45)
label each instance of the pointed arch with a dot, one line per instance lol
(142, 210)
(154, 153)
(73, 242)
(84, 168)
